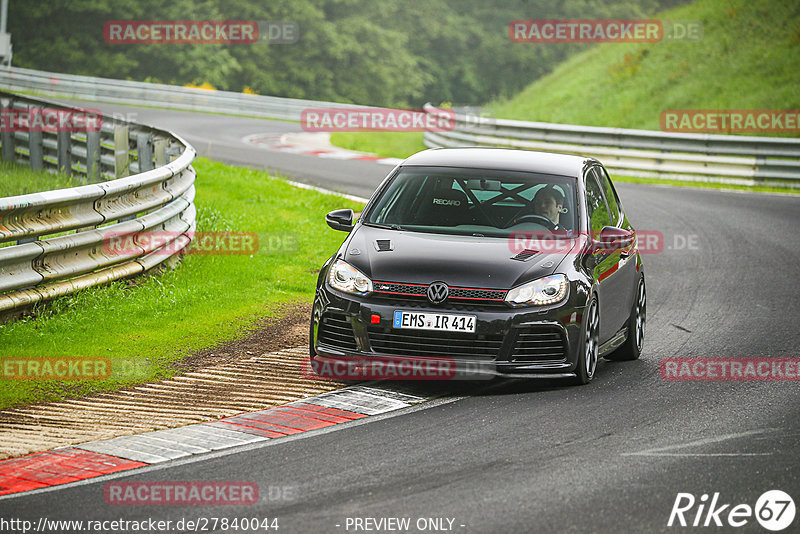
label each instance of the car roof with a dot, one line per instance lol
(501, 159)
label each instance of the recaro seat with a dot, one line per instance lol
(445, 207)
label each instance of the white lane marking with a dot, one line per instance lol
(335, 155)
(665, 451)
(326, 191)
(403, 397)
(688, 454)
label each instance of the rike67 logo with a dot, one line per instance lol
(774, 510)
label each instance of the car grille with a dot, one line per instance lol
(410, 293)
(336, 331)
(447, 306)
(539, 345)
(422, 343)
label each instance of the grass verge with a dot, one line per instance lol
(147, 324)
(17, 179)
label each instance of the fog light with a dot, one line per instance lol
(375, 319)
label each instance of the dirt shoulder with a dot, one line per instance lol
(290, 329)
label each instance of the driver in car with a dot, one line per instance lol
(548, 202)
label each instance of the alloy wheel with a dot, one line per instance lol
(641, 315)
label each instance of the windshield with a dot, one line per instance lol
(475, 202)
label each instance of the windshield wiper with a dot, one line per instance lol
(386, 226)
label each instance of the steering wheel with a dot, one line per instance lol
(539, 219)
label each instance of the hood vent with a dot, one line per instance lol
(525, 255)
(382, 245)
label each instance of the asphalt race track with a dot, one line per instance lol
(516, 456)
(220, 138)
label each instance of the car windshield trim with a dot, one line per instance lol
(439, 231)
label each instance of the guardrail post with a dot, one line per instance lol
(64, 140)
(173, 153)
(160, 148)
(144, 148)
(122, 162)
(7, 136)
(93, 156)
(36, 150)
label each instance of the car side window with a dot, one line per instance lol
(596, 204)
(611, 197)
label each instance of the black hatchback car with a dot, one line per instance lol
(502, 262)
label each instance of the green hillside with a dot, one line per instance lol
(748, 58)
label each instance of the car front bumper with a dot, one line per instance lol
(508, 342)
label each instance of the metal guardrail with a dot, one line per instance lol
(730, 159)
(139, 182)
(153, 94)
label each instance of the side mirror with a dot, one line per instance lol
(612, 239)
(340, 220)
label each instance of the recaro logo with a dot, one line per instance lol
(446, 202)
(774, 510)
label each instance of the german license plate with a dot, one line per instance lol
(434, 321)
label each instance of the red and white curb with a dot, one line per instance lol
(97, 458)
(312, 144)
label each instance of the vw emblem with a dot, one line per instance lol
(438, 292)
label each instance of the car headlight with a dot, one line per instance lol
(541, 292)
(345, 277)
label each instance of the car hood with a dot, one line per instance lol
(465, 261)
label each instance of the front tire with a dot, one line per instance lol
(311, 352)
(587, 359)
(632, 348)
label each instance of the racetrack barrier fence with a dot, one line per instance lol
(138, 180)
(728, 159)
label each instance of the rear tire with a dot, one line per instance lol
(632, 348)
